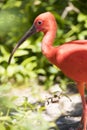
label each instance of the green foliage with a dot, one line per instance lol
(28, 62)
(25, 116)
(28, 65)
(29, 121)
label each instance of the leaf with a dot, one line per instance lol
(20, 52)
(28, 60)
(82, 35)
(2, 127)
(81, 17)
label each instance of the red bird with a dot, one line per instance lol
(70, 57)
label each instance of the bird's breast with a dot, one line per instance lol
(72, 60)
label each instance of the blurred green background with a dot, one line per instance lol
(16, 17)
(28, 66)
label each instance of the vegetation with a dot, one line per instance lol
(28, 65)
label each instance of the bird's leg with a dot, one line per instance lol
(81, 88)
(84, 116)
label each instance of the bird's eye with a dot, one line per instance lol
(39, 22)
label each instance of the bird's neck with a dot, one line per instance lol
(47, 44)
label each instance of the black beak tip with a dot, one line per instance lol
(9, 60)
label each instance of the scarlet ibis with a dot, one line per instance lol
(70, 57)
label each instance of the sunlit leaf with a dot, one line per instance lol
(21, 52)
(2, 127)
(82, 17)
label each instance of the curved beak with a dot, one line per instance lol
(30, 32)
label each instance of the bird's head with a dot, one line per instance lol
(43, 23)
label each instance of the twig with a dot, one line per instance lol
(69, 8)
